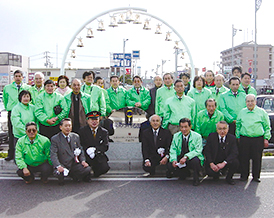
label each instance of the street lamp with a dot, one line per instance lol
(234, 31)
(163, 62)
(124, 63)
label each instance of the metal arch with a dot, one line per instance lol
(141, 11)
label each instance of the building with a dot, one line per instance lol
(243, 55)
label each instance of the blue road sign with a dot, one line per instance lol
(119, 57)
(136, 54)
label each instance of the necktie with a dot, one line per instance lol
(31, 141)
(217, 91)
(68, 139)
(94, 134)
(115, 90)
(155, 136)
(180, 98)
(18, 87)
(246, 90)
(138, 91)
(235, 94)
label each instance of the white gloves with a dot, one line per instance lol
(91, 152)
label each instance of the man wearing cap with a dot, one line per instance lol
(67, 155)
(94, 140)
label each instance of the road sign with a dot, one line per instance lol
(118, 59)
(249, 70)
(136, 54)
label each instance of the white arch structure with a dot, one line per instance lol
(140, 11)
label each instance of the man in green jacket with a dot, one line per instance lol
(253, 129)
(10, 99)
(185, 152)
(98, 102)
(33, 155)
(78, 105)
(38, 87)
(207, 119)
(231, 102)
(177, 107)
(163, 93)
(50, 109)
(245, 85)
(138, 96)
(218, 89)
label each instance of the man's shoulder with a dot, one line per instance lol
(56, 136)
(102, 130)
(41, 137)
(195, 134)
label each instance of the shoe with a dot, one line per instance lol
(61, 183)
(169, 174)
(256, 180)
(29, 181)
(196, 182)
(8, 158)
(215, 178)
(182, 178)
(230, 181)
(87, 179)
(45, 180)
(243, 179)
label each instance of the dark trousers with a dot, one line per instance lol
(99, 164)
(44, 168)
(77, 172)
(251, 148)
(232, 128)
(11, 151)
(231, 168)
(151, 169)
(194, 164)
(48, 131)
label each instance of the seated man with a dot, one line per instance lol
(155, 145)
(185, 152)
(94, 140)
(221, 153)
(33, 155)
(67, 155)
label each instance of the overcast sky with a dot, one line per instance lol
(30, 28)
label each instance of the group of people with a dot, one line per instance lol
(188, 126)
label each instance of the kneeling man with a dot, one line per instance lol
(186, 152)
(33, 155)
(67, 155)
(221, 153)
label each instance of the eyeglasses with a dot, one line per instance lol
(225, 128)
(31, 130)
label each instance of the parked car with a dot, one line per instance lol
(267, 102)
(4, 138)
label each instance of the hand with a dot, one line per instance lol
(60, 169)
(51, 121)
(221, 165)
(138, 104)
(266, 143)
(234, 121)
(183, 160)
(26, 172)
(147, 164)
(174, 164)
(214, 167)
(164, 161)
(85, 164)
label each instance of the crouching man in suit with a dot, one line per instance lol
(221, 153)
(94, 140)
(155, 145)
(67, 155)
(185, 152)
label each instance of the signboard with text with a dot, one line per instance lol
(118, 59)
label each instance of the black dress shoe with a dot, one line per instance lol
(243, 179)
(169, 174)
(196, 182)
(230, 181)
(256, 180)
(8, 158)
(215, 178)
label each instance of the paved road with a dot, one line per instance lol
(137, 197)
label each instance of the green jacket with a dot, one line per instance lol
(162, 94)
(176, 109)
(20, 115)
(216, 96)
(44, 107)
(144, 97)
(230, 105)
(32, 154)
(253, 123)
(108, 108)
(10, 95)
(206, 125)
(194, 145)
(199, 97)
(85, 100)
(34, 93)
(251, 90)
(117, 101)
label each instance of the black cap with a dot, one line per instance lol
(93, 115)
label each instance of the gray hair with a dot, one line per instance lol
(252, 95)
(41, 74)
(153, 116)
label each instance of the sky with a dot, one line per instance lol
(30, 28)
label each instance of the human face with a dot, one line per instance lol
(222, 129)
(209, 77)
(89, 79)
(168, 80)
(76, 86)
(179, 88)
(137, 83)
(185, 80)
(246, 80)
(219, 81)
(236, 73)
(38, 80)
(49, 88)
(199, 84)
(155, 122)
(31, 132)
(114, 82)
(25, 99)
(93, 123)
(234, 85)
(158, 81)
(211, 107)
(100, 83)
(185, 128)
(66, 127)
(18, 78)
(62, 83)
(250, 102)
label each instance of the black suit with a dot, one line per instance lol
(151, 108)
(99, 163)
(149, 148)
(230, 154)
